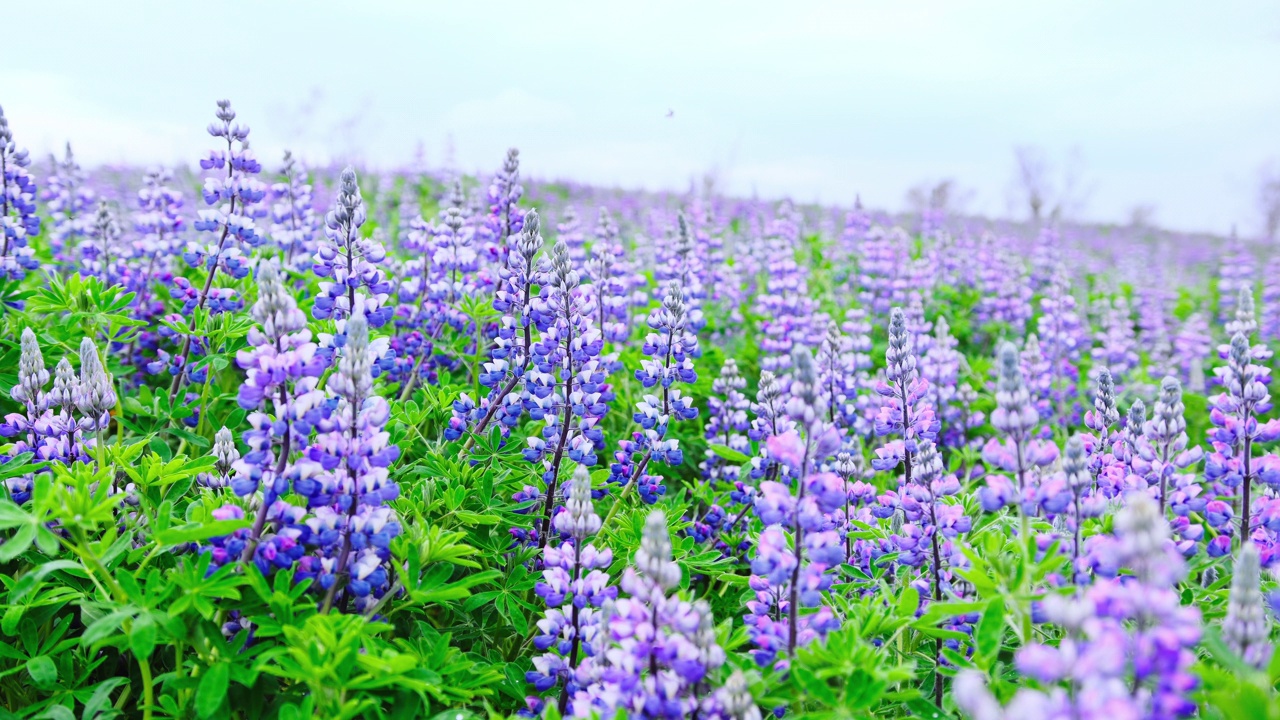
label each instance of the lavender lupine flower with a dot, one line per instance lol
(787, 578)
(159, 223)
(1246, 628)
(1269, 322)
(1192, 346)
(351, 261)
(883, 258)
(661, 650)
(1061, 334)
(230, 217)
(70, 203)
(1127, 648)
(95, 394)
(566, 385)
(282, 367)
(1038, 372)
(679, 262)
(1116, 349)
(294, 224)
(904, 411)
(504, 203)
(569, 231)
(785, 305)
(575, 574)
(511, 352)
(28, 392)
(609, 287)
(351, 527)
(1234, 415)
(836, 368)
(931, 528)
(1016, 417)
(1235, 274)
(1164, 452)
(727, 422)
(225, 455)
(99, 250)
(669, 349)
(770, 419)
(18, 219)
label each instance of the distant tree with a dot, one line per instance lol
(1034, 188)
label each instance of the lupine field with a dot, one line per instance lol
(290, 441)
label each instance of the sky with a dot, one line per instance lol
(1170, 105)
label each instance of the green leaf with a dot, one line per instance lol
(990, 630)
(197, 531)
(908, 601)
(142, 637)
(213, 689)
(42, 671)
(728, 453)
(18, 544)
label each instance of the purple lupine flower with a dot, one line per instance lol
(1246, 628)
(18, 219)
(230, 196)
(727, 422)
(1062, 335)
(661, 651)
(356, 285)
(282, 367)
(575, 586)
(70, 203)
(1235, 274)
(1016, 417)
(1234, 415)
(785, 579)
(351, 527)
(95, 394)
(785, 307)
(225, 455)
(158, 223)
(883, 256)
(1116, 350)
(46, 428)
(607, 271)
(1192, 346)
(1269, 322)
(1127, 646)
(511, 353)
(770, 420)
(294, 224)
(100, 253)
(566, 386)
(669, 349)
(569, 231)
(505, 192)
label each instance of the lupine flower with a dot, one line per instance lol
(46, 427)
(294, 224)
(70, 203)
(230, 196)
(1246, 628)
(511, 354)
(18, 221)
(575, 586)
(358, 285)
(282, 368)
(788, 578)
(669, 349)
(565, 386)
(1234, 415)
(661, 652)
(1016, 416)
(225, 455)
(351, 527)
(1127, 648)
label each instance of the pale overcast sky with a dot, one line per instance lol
(1169, 104)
